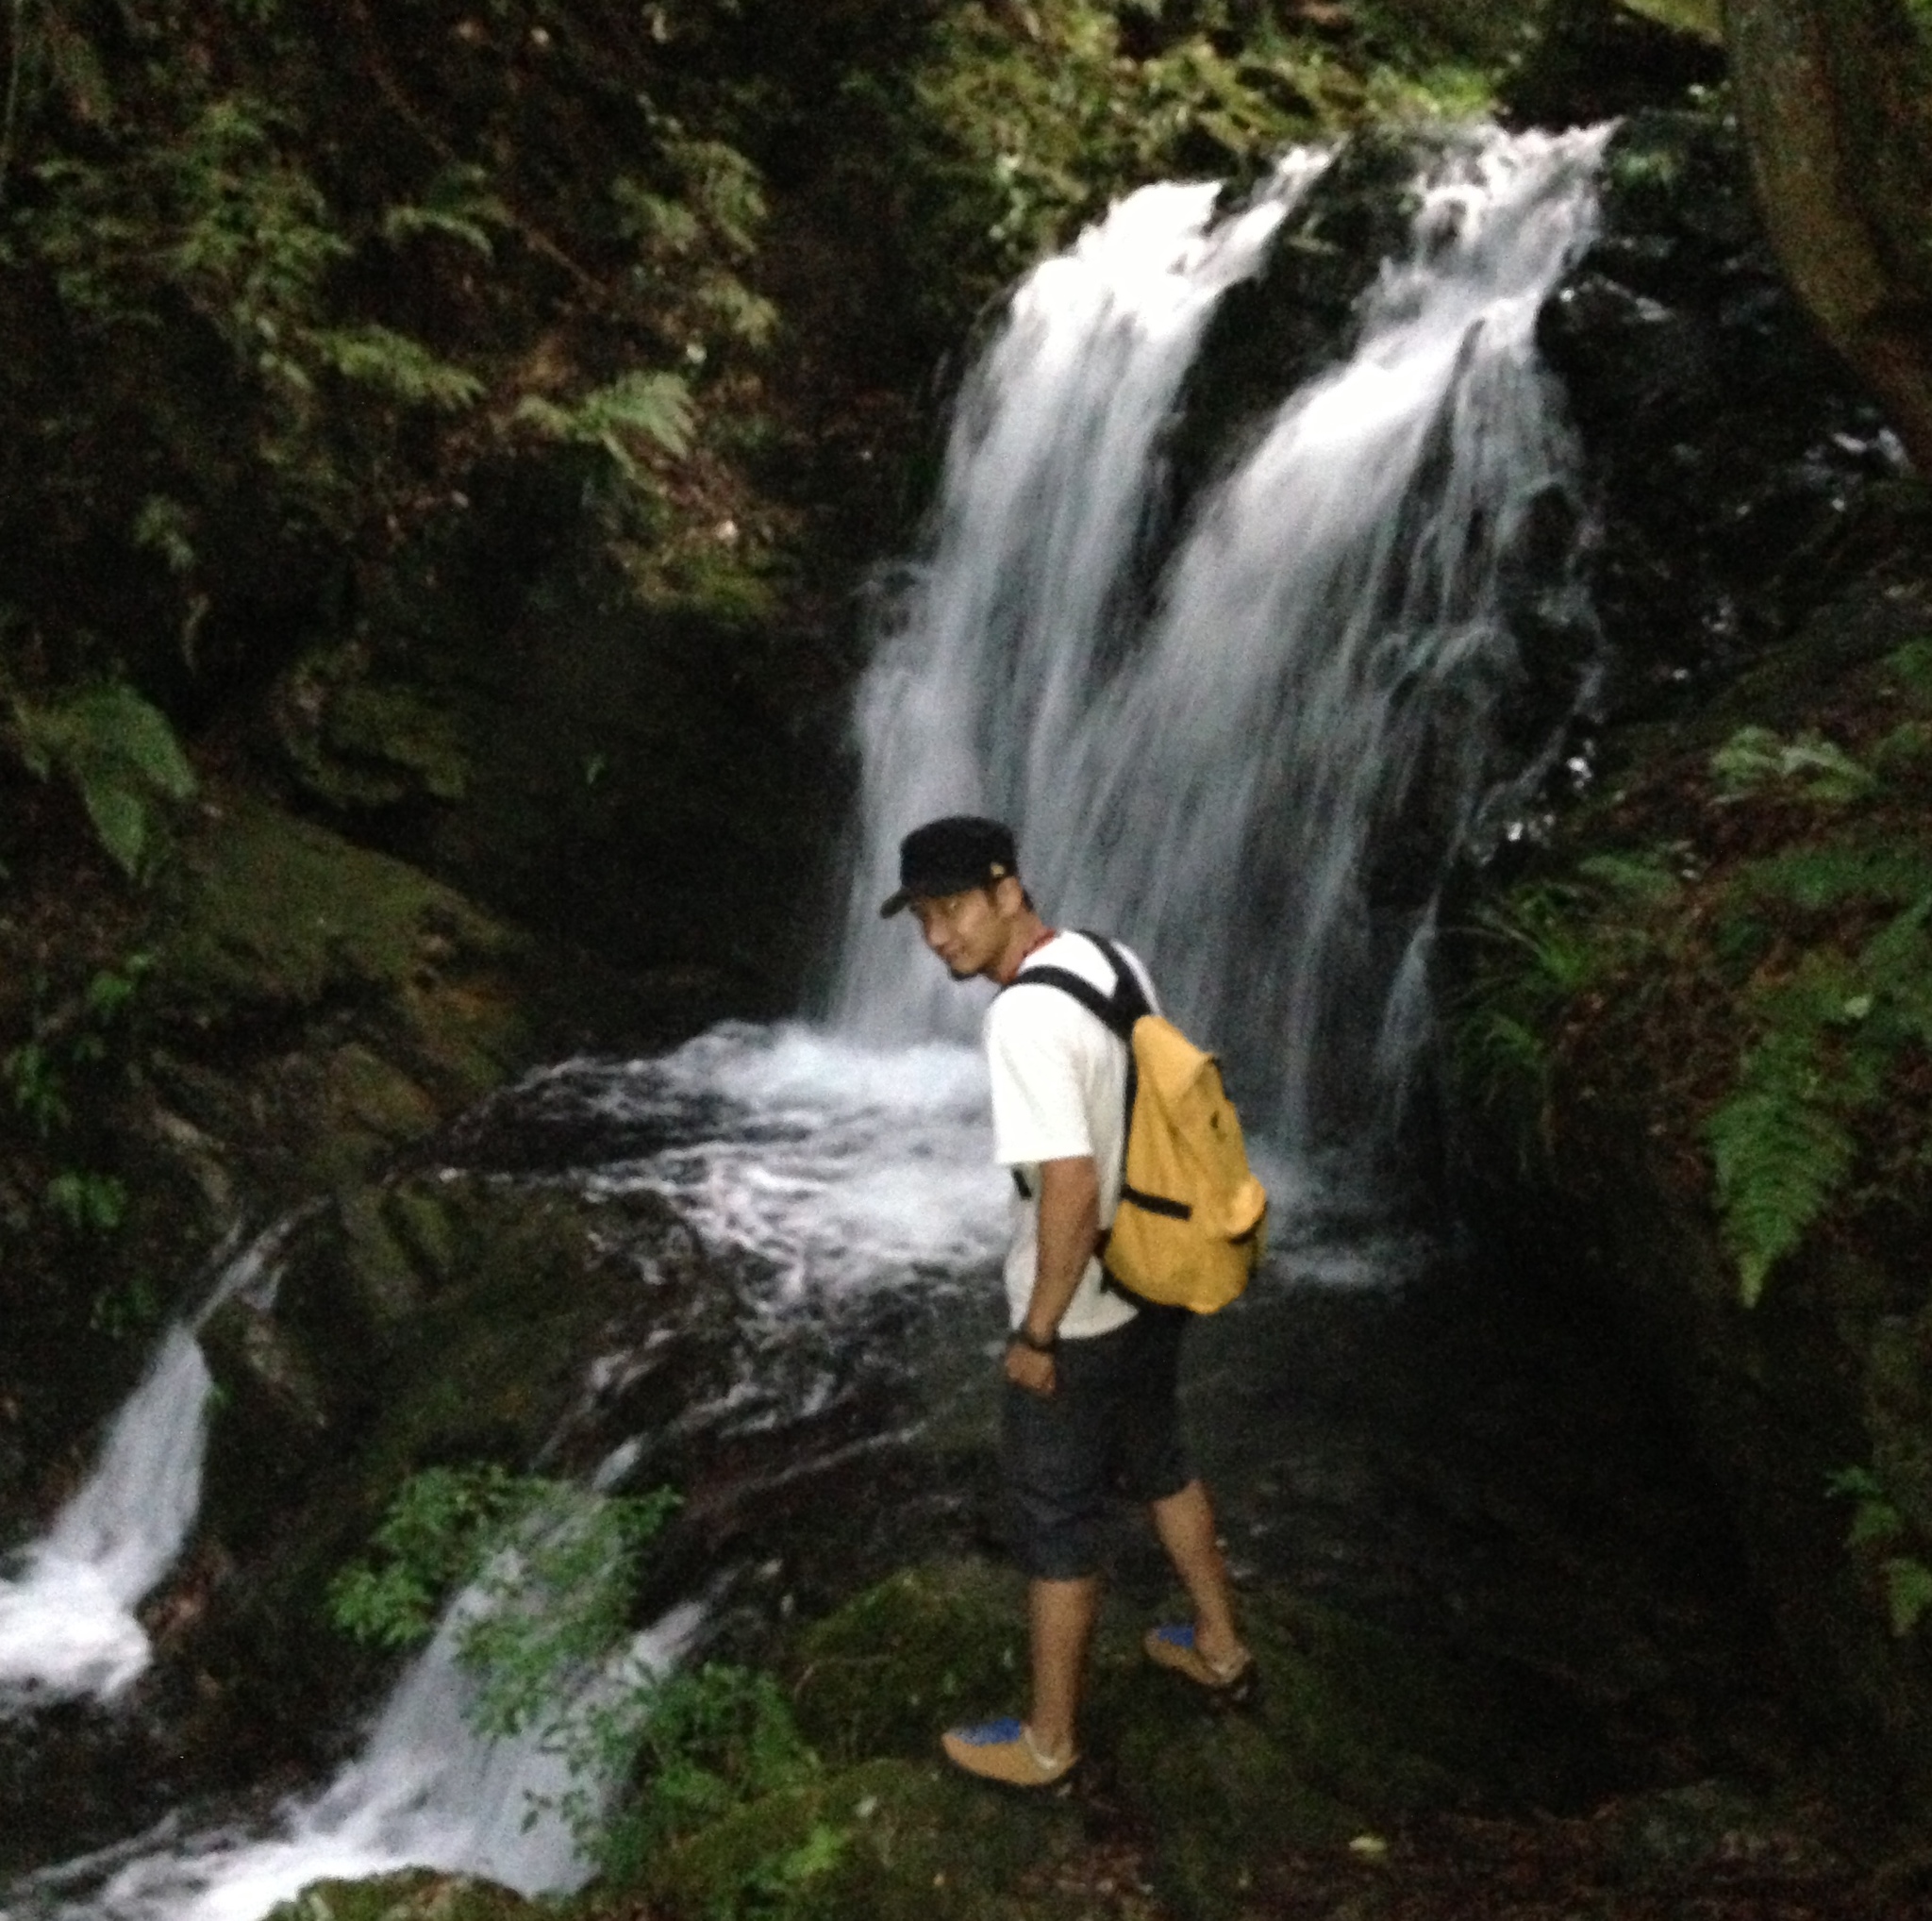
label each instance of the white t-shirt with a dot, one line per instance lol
(1060, 1089)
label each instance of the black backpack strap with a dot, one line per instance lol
(1098, 1004)
(1118, 1011)
(1128, 995)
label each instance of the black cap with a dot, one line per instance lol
(949, 855)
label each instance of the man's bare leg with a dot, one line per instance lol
(1061, 1615)
(1185, 1523)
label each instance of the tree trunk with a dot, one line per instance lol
(1836, 100)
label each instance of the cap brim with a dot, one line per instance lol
(894, 903)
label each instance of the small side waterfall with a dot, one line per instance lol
(426, 1791)
(1262, 780)
(67, 1623)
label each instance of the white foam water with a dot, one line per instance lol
(67, 1625)
(68, 1629)
(839, 1166)
(426, 1791)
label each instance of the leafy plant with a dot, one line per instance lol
(88, 1203)
(1832, 1033)
(122, 756)
(654, 407)
(1542, 947)
(128, 1311)
(1818, 770)
(547, 1570)
(1878, 1525)
(1782, 1151)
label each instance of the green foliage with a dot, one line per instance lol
(550, 1570)
(280, 283)
(1782, 1151)
(1878, 1527)
(1822, 875)
(1821, 944)
(1834, 1029)
(1542, 947)
(122, 756)
(1757, 758)
(128, 1311)
(707, 1741)
(447, 1522)
(457, 204)
(393, 364)
(651, 407)
(88, 1203)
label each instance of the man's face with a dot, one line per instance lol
(968, 931)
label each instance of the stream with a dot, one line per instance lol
(1255, 737)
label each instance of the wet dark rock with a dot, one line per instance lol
(1597, 59)
(646, 771)
(1731, 456)
(1298, 313)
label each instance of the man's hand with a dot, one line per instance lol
(1028, 1368)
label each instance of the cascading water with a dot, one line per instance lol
(1262, 780)
(1235, 772)
(425, 1792)
(830, 1174)
(67, 1623)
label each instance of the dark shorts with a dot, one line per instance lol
(1110, 1428)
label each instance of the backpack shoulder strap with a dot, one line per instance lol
(1098, 1004)
(1128, 995)
(1118, 1011)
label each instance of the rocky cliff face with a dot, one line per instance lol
(1763, 574)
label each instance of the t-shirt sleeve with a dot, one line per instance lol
(1037, 1113)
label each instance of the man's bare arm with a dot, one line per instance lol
(1069, 1228)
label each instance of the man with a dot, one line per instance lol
(1089, 1393)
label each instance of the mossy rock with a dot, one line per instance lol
(926, 1647)
(887, 1841)
(272, 912)
(1351, 1724)
(322, 1004)
(414, 1894)
(428, 1323)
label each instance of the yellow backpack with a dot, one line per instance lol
(1188, 1231)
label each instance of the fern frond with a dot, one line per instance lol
(1644, 875)
(394, 364)
(1820, 874)
(656, 406)
(1781, 1151)
(1756, 757)
(457, 205)
(120, 755)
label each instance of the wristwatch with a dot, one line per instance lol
(1026, 1340)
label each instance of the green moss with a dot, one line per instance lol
(414, 1894)
(275, 910)
(382, 743)
(1350, 1722)
(926, 1647)
(887, 1841)
(272, 919)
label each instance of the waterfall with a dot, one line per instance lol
(1251, 743)
(67, 1624)
(1259, 777)
(426, 1791)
